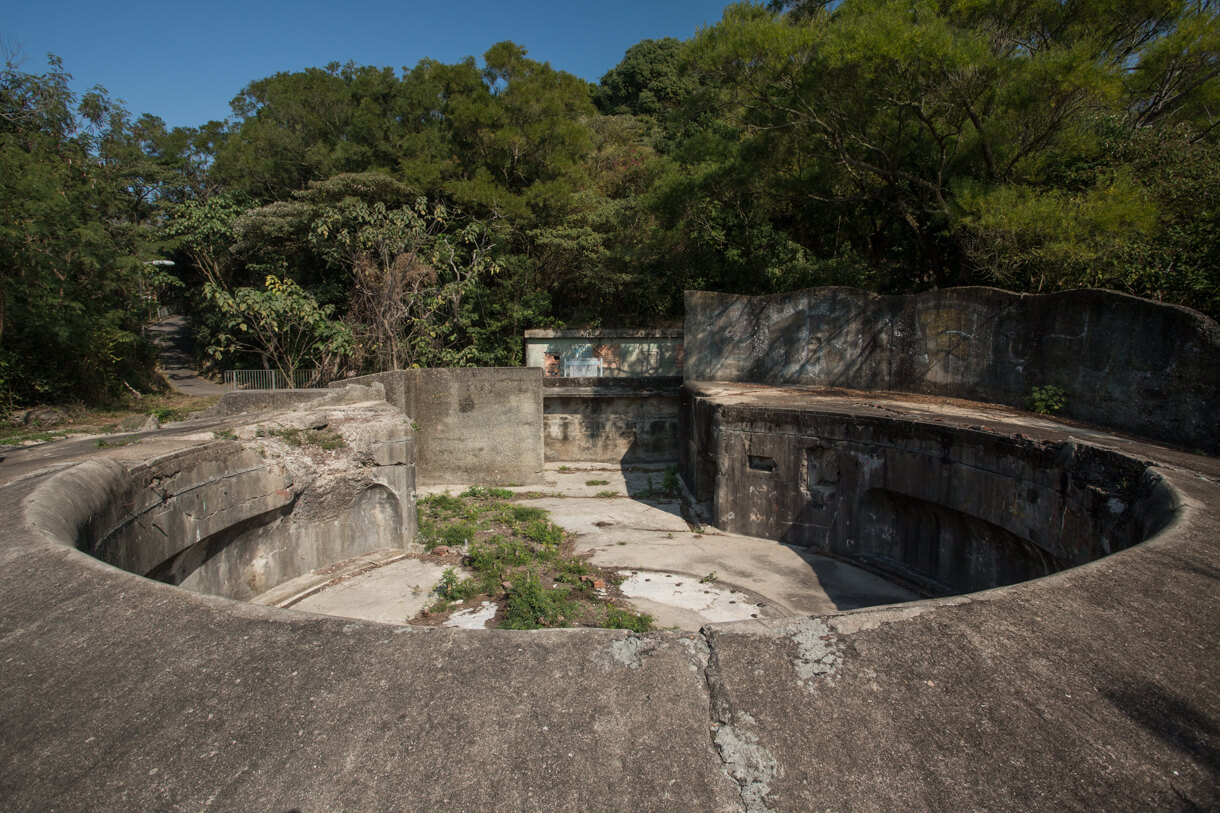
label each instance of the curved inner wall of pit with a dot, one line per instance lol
(222, 520)
(944, 509)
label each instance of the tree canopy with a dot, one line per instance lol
(429, 215)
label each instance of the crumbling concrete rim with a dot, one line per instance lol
(46, 507)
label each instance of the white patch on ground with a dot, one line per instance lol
(710, 602)
(475, 618)
(817, 650)
(749, 763)
(629, 652)
(390, 594)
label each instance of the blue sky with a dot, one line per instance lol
(185, 61)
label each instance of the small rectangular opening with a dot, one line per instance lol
(760, 463)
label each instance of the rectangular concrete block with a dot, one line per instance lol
(478, 425)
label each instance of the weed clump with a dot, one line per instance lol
(481, 492)
(1046, 400)
(668, 489)
(518, 558)
(531, 606)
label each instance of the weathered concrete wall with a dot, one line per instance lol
(1126, 363)
(951, 509)
(242, 402)
(238, 517)
(473, 424)
(618, 353)
(622, 420)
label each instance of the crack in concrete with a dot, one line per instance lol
(744, 759)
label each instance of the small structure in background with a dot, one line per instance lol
(608, 395)
(605, 353)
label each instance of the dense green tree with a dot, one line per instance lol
(283, 325)
(73, 243)
(648, 81)
(436, 212)
(910, 130)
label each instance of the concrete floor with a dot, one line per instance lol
(684, 575)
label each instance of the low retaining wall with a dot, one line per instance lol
(948, 508)
(473, 424)
(1126, 363)
(610, 420)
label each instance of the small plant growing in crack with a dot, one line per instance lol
(709, 578)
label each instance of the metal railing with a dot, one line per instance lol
(274, 380)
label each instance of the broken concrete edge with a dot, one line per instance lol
(238, 517)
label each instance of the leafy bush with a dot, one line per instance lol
(531, 606)
(1046, 400)
(543, 532)
(669, 484)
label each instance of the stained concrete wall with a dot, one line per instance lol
(617, 421)
(473, 424)
(622, 353)
(948, 509)
(1127, 363)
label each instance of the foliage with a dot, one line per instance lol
(488, 491)
(620, 619)
(1046, 399)
(73, 240)
(512, 550)
(282, 323)
(429, 216)
(531, 606)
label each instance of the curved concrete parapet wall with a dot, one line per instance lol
(949, 508)
(1126, 363)
(238, 517)
(1093, 689)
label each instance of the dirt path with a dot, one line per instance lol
(173, 338)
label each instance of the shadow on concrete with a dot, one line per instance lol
(1179, 724)
(847, 585)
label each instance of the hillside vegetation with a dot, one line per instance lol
(359, 218)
